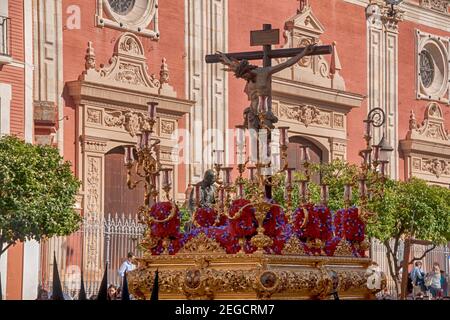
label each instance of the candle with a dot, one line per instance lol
(276, 161)
(241, 191)
(197, 193)
(227, 175)
(324, 193)
(240, 135)
(166, 177)
(222, 196)
(153, 180)
(240, 157)
(305, 153)
(263, 137)
(303, 189)
(253, 146)
(139, 140)
(219, 157)
(283, 135)
(152, 109)
(126, 156)
(289, 175)
(347, 192)
(145, 138)
(252, 173)
(362, 188)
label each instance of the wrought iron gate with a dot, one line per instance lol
(119, 234)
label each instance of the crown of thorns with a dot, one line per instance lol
(244, 67)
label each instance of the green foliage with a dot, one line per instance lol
(335, 174)
(37, 193)
(412, 208)
(185, 218)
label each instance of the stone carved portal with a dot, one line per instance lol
(110, 103)
(323, 117)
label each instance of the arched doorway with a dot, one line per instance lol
(295, 154)
(118, 198)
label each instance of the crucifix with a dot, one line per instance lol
(259, 79)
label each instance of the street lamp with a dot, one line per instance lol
(375, 156)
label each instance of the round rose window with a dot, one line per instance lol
(122, 7)
(426, 68)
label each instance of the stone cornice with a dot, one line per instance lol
(426, 148)
(337, 99)
(84, 92)
(418, 14)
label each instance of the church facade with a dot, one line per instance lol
(92, 67)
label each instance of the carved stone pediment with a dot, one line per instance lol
(432, 129)
(427, 147)
(127, 68)
(301, 30)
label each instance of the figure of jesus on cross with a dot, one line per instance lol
(259, 79)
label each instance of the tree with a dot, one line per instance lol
(37, 193)
(410, 209)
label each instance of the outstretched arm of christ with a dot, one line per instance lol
(288, 63)
(232, 64)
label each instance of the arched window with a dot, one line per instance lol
(118, 198)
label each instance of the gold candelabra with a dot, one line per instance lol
(261, 173)
(144, 166)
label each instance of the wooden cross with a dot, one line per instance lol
(266, 38)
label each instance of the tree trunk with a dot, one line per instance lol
(394, 269)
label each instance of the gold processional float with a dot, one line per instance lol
(246, 246)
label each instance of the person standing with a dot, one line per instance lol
(434, 281)
(418, 279)
(127, 265)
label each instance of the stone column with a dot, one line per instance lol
(206, 32)
(382, 46)
(390, 104)
(375, 65)
(93, 158)
(48, 71)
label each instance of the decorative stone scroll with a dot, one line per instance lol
(436, 166)
(132, 122)
(437, 5)
(309, 115)
(127, 68)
